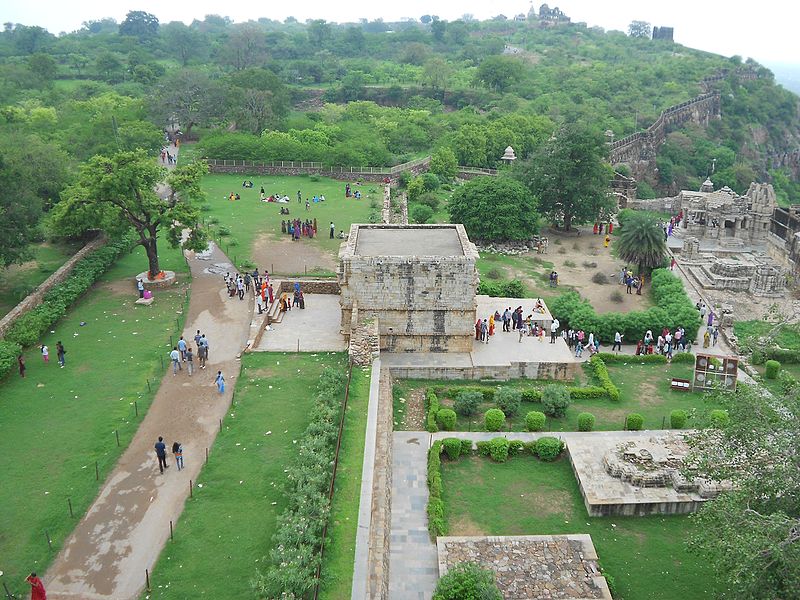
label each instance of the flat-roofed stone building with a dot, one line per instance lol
(416, 282)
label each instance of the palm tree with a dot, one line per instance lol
(641, 242)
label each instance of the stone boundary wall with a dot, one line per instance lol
(36, 297)
(514, 370)
(308, 286)
(670, 204)
(386, 211)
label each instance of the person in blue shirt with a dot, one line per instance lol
(161, 454)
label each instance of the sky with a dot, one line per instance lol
(766, 31)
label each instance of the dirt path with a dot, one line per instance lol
(124, 530)
(282, 256)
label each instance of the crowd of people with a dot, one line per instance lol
(514, 320)
(297, 228)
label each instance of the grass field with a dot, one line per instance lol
(55, 423)
(646, 556)
(644, 389)
(226, 530)
(17, 281)
(749, 331)
(249, 218)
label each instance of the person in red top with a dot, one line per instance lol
(37, 587)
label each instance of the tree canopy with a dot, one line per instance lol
(569, 175)
(496, 209)
(641, 241)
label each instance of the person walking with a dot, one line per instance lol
(45, 353)
(21, 364)
(161, 454)
(197, 337)
(177, 451)
(240, 288)
(204, 342)
(189, 360)
(553, 331)
(37, 587)
(617, 341)
(182, 348)
(485, 331)
(220, 381)
(672, 264)
(176, 360)
(60, 352)
(259, 303)
(201, 356)
(507, 319)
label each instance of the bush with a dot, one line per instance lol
(467, 581)
(616, 296)
(467, 402)
(453, 392)
(498, 449)
(719, 418)
(787, 380)
(682, 357)
(610, 357)
(466, 447)
(771, 369)
(535, 420)
(585, 421)
(678, 419)
(532, 395)
(508, 400)
(429, 200)
(591, 392)
(446, 419)
(634, 422)
(600, 278)
(569, 263)
(432, 401)
(452, 447)
(483, 447)
(516, 446)
(421, 214)
(494, 419)
(548, 448)
(555, 400)
(436, 524)
(601, 372)
(430, 181)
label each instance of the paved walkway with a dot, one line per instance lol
(413, 560)
(124, 530)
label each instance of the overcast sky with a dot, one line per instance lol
(766, 30)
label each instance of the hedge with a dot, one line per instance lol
(436, 524)
(683, 357)
(30, 327)
(672, 309)
(548, 448)
(528, 394)
(771, 369)
(634, 422)
(295, 555)
(610, 357)
(446, 419)
(585, 421)
(601, 372)
(494, 419)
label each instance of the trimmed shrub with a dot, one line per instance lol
(678, 419)
(585, 421)
(548, 448)
(432, 401)
(535, 420)
(771, 369)
(682, 357)
(609, 357)
(531, 395)
(555, 400)
(601, 372)
(453, 392)
(634, 422)
(516, 446)
(421, 214)
(483, 447)
(446, 418)
(498, 449)
(436, 523)
(508, 400)
(466, 447)
(494, 419)
(587, 393)
(467, 402)
(719, 418)
(452, 447)
(467, 581)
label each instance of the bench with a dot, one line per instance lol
(682, 385)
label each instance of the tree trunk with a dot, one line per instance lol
(152, 256)
(567, 221)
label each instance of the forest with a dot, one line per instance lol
(366, 94)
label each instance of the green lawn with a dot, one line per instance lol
(55, 423)
(337, 564)
(17, 281)
(226, 529)
(646, 556)
(644, 389)
(749, 331)
(249, 218)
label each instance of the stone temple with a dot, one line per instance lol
(413, 286)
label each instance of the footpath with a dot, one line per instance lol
(124, 530)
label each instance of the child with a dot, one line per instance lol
(45, 353)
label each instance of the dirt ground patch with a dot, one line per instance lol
(282, 256)
(261, 373)
(463, 525)
(415, 410)
(588, 248)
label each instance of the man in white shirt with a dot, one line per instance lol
(617, 341)
(176, 360)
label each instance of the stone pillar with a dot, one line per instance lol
(691, 248)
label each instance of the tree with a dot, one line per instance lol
(425, 19)
(570, 176)
(190, 97)
(438, 29)
(495, 208)
(641, 242)
(43, 66)
(118, 194)
(32, 174)
(246, 47)
(140, 24)
(498, 72)
(467, 581)
(639, 29)
(752, 533)
(182, 41)
(443, 163)
(437, 74)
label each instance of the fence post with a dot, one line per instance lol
(147, 579)
(191, 495)
(135, 405)
(49, 541)
(171, 538)
(69, 502)
(96, 471)
(116, 432)
(206, 455)
(9, 596)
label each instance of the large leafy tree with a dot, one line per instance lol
(495, 208)
(641, 241)
(570, 176)
(752, 534)
(140, 24)
(124, 192)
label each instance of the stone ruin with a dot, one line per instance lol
(656, 462)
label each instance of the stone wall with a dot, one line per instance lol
(36, 297)
(364, 345)
(515, 370)
(670, 204)
(309, 286)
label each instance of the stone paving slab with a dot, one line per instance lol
(413, 566)
(315, 328)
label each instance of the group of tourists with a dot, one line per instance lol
(297, 228)
(161, 454)
(514, 320)
(578, 340)
(296, 300)
(630, 281)
(349, 193)
(166, 157)
(672, 224)
(553, 279)
(182, 353)
(45, 351)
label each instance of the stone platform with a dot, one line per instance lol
(531, 566)
(157, 284)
